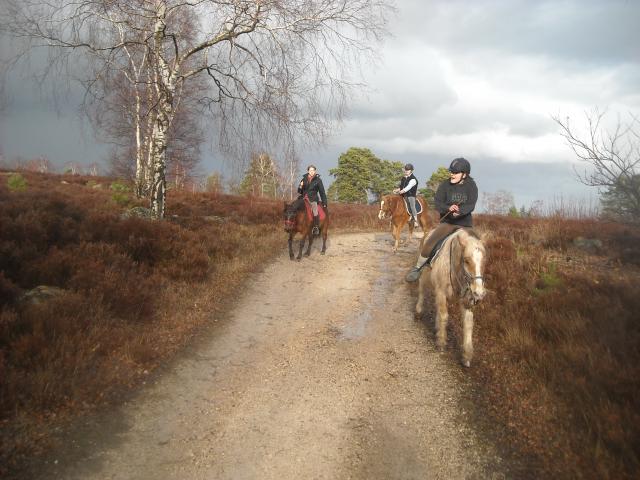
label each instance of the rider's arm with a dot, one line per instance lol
(440, 199)
(323, 195)
(472, 197)
(409, 186)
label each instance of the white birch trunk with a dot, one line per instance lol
(166, 91)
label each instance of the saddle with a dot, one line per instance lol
(435, 251)
(406, 206)
(321, 212)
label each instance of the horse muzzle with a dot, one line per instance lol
(289, 225)
(477, 294)
(382, 215)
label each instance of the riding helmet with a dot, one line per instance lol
(460, 165)
(408, 166)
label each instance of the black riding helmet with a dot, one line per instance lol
(460, 165)
(408, 166)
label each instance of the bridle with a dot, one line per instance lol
(465, 287)
(386, 213)
(289, 220)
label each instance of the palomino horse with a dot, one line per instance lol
(297, 221)
(394, 206)
(456, 272)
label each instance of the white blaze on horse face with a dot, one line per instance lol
(381, 212)
(478, 282)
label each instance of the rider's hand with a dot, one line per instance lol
(454, 208)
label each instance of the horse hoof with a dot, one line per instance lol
(322, 252)
(466, 363)
(299, 259)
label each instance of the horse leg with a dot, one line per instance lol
(324, 240)
(308, 252)
(422, 285)
(396, 236)
(442, 317)
(290, 246)
(467, 332)
(299, 257)
(410, 232)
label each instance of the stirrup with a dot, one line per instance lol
(315, 230)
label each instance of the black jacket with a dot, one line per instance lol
(313, 188)
(464, 194)
(404, 181)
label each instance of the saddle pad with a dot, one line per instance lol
(418, 207)
(438, 247)
(321, 212)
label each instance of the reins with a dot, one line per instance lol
(465, 287)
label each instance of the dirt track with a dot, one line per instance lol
(320, 371)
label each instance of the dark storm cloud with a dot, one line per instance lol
(479, 79)
(588, 31)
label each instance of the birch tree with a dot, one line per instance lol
(262, 178)
(612, 159)
(278, 71)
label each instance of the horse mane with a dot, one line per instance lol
(441, 267)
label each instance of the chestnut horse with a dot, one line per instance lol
(297, 221)
(457, 272)
(393, 206)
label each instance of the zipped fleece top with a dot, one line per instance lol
(464, 194)
(313, 188)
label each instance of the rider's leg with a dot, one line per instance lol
(412, 208)
(316, 219)
(440, 232)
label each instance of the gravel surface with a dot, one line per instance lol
(319, 372)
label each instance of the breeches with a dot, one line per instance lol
(314, 208)
(412, 207)
(435, 236)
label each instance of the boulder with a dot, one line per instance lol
(41, 294)
(139, 212)
(592, 245)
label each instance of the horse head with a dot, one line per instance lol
(290, 213)
(474, 258)
(387, 205)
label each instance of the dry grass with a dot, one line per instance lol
(135, 291)
(558, 343)
(557, 340)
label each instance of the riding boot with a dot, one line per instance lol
(414, 273)
(316, 229)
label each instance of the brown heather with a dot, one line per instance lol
(556, 341)
(136, 291)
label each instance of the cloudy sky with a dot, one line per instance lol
(479, 79)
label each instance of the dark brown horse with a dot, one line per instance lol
(298, 221)
(393, 206)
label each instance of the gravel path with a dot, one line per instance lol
(320, 372)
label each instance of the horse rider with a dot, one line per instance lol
(455, 199)
(310, 186)
(408, 189)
